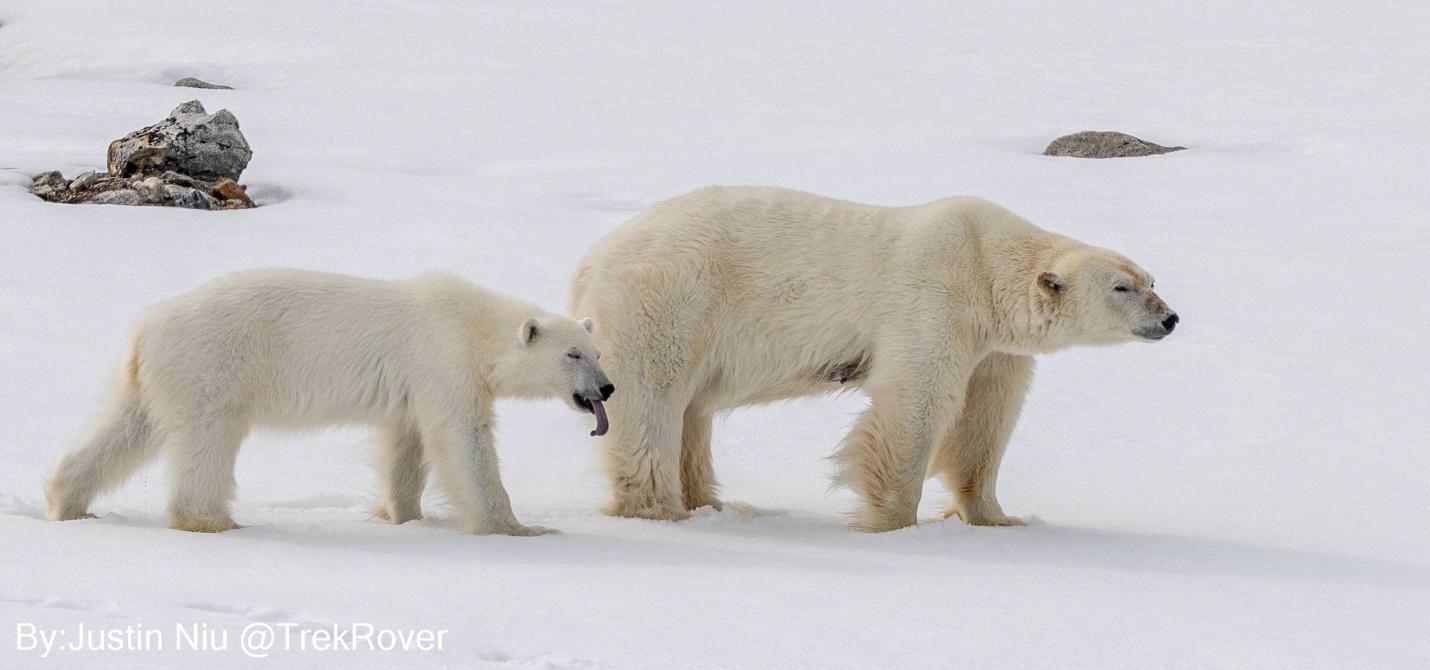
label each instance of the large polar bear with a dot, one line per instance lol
(422, 358)
(735, 296)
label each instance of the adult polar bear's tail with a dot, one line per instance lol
(121, 439)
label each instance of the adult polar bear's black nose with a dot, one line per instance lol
(607, 390)
(1171, 321)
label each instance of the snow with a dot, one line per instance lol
(1249, 493)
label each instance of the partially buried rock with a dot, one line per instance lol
(228, 189)
(191, 159)
(191, 142)
(1104, 144)
(191, 82)
(126, 196)
(51, 186)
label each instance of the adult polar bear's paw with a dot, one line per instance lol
(637, 509)
(985, 517)
(517, 530)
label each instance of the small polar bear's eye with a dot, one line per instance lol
(573, 354)
(1121, 289)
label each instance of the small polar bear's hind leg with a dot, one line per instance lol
(968, 456)
(201, 462)
(403, 473)
(697, 473)
(121, 440)
(466, 466)
(642, 454)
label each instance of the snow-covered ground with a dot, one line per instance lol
(1251, 492)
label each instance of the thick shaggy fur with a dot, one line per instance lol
(733, 296)
(422, 359)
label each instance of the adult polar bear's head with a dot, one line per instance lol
(1092, 296)
(555, 356)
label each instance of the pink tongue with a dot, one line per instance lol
(602, 424)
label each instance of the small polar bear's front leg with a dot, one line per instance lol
(968, 456)
(466, 465)
(402, 472)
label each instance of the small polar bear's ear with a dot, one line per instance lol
(1050, 282)
(529, 331)
(588, 324)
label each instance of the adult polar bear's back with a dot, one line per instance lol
(732, 296)
(810, 279)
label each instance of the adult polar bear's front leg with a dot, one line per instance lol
(885, 457)
(968, 456)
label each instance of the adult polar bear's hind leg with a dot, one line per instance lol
(697, 472)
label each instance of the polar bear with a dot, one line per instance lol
(727, 297)
(422, 359)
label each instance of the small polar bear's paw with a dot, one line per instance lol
(395, 516)
(204, 524)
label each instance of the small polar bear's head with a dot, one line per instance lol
(557, 357)
(1096, 296)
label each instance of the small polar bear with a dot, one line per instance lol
(727, 297)
(423, 359)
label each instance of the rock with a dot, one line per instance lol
(185, 180)
(191, 198)
(228, 189)
(120, 197)
(190, 142)
(51, 186)
(191, 82)
(1104, 144)
(151, 189)
(84, 181)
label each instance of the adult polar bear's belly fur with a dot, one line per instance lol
(422, 359)
(735, 296)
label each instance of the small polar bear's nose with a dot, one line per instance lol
(606, 392)
(1171, 322)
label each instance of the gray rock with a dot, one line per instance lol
(51, 186)
(84, 181)
(191, 198)
(185, 180)
(190, 142)
(120, 197)
(1104, 144)
(151, 189)
(191, 82)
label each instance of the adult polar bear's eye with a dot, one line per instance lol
(1121, 289)
(574, 354)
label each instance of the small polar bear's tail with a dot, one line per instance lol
(121, 439)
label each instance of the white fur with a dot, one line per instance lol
(733, 296)
(423, 359)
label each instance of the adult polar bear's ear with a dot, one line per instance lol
(588, 324)
(529, 331)
(1050, 283)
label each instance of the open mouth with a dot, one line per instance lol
(595, 407)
